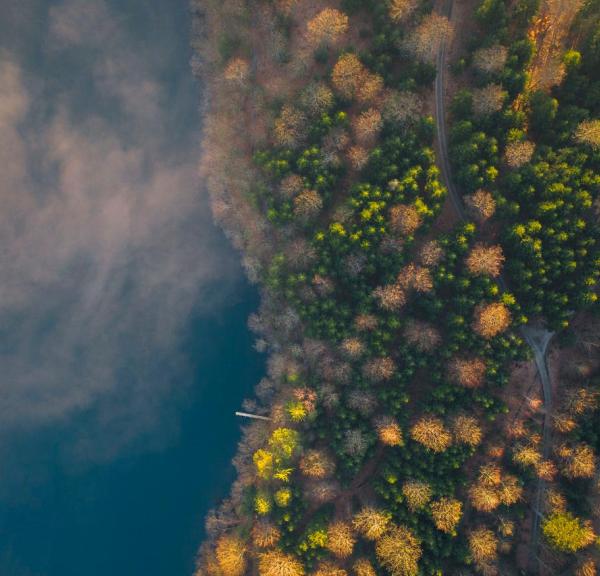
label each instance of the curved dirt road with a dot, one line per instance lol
(537, 338)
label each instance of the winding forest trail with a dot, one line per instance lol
(537, 339)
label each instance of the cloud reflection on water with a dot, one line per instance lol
(106, 244)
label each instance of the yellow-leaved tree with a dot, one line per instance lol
(431, 433)
(446, 513)
(491, 319)
(389, 431)
(417, 494)
(466, 430)
(483, 546)
(567, 533)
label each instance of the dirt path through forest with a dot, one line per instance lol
(538, 339)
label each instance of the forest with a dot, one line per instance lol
(415, 188)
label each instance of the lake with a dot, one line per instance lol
(140, 514)
(120, 370)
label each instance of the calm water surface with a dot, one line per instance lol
(143, 514)
(138, 511)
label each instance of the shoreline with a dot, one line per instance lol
(337, 216)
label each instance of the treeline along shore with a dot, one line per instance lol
(404, 427)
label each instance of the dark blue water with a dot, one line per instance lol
(137, 510)
(139, 514)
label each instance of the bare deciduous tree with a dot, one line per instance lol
(490, 60)
(402, 107)
(327, 27)
(371, 523)
(307, 204)
(400, 10)
(424, 42)
(422, 335)
(588, 132)
(317, 98)
(367, 126)
(347, 75)
(237, 71)
(488, 99)
(289, 129)
(485, 260)
(399, 551)
(340, 539)
(277, 563)
(519, 153)
(391, 297)
(483, 545)
(481, 205)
